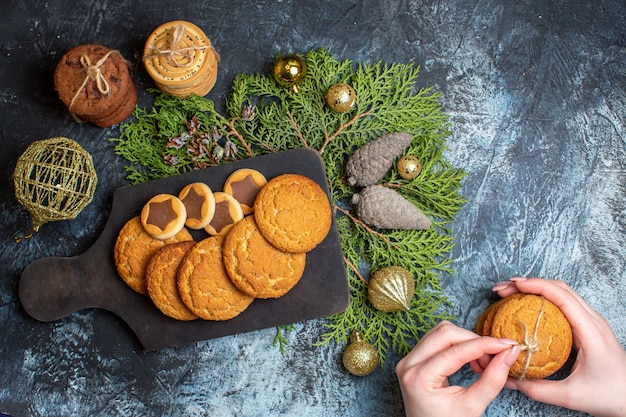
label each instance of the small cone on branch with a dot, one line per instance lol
(370, 162)
(385, 208)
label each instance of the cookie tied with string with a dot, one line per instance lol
(539, 327)
(96, 85)
(181, 59)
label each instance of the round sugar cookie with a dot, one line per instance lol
(199, 203)
(293, 213)
(540, 328)
(163, 216)
(244, 184)
(204, 286)
(227, 212)
(255, 266)
(485, 321)
(133, 250)
(161, 280)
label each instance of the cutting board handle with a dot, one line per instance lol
(55, 287)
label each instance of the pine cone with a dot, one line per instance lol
(384, 208)
(370, 163)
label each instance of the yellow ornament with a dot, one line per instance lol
(409, 167)
(54, 179)
(391, 289)
(360, 358)
(288, 71)
(340, 97)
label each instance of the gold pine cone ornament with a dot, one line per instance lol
(391, 289)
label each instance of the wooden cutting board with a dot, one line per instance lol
(55, 287)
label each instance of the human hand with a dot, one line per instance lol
(597, 382)
(423, 373)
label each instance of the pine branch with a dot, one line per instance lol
(388, 100)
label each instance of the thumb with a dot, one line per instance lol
(545, 391)
(495, 376)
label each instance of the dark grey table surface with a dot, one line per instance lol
(536, 94)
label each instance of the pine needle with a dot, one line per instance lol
(388, 100)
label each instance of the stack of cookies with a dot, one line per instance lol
(180, 59)
(537, 325)
(262, 255)
(95, 84)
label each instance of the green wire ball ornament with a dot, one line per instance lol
(54, 179)
(288, 71)
(360, 358)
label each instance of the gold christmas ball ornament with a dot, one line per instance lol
(391, 289)
(54, 179)
(360, 358)
(288, 71)
(340, 97)
(409, 167)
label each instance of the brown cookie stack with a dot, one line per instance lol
(258, 256)
(537, 325)
(180, 59)
(95, 84)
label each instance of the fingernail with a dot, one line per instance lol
(511, 357)
(500, 285)
(510, 384)
(509, 342)
(517, 279)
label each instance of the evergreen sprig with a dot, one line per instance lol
(388, 100)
